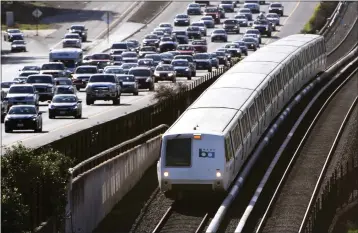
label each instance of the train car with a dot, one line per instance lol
(209, 143)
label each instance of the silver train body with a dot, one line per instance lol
(209, 143)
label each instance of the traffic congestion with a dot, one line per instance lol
(176, 51)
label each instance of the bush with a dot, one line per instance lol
(164, 91)
(319, 18)
(33, 187)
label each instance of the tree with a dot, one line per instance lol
(163, 92)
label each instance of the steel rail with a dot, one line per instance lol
(303, 140)
(326, 164)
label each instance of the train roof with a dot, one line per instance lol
(226, 98)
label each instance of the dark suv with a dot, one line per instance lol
(264, 26)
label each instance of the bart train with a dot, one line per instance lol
(209, 143)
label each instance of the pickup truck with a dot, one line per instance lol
(103, 87)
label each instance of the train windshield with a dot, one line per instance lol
(178, 152)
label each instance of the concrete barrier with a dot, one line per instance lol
(93, 194)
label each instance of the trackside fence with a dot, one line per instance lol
(94, 192)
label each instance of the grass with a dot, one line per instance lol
(320, 15)
(353, 231)
(23, 26)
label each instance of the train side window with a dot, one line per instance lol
(266, 96)
(228, 149)
(245, 125)
(253, 114)
(234, 139)
(278, 83)
(238, 134)
(260, 104)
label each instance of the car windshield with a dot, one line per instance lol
(198, 42)
(165, 25)
(165, 68)
(240, 43)
(72, 36)
(182, 16)
(231, 46)
(193, 29)
(198, 24)
(145, 62)
(80, 28)
(130, 54)
(155, 57)
(276, 5)
(219, 32)
(102, 79)
(207, 18)
(183, 47)
(250, 5)
(148, 49)
(101, 57)
(128, 78)
(230, 21)
(117, 58)
(39, 79)
(14, 31)
(86, 70)
(21, 89)
(119, 46)
(114, 71)
(19, 42)
(166, 39)
(64, 99)
(188, 58)
(180, 33)
(54, 66)
(158, 33)
(272, 16)
(138, 72)
(194, 5)
(21, 110)
(31, 68)
(201, 56)
(6, 84)
(167, 55)
(252, 32)
(25, 74)
(128, 65)
(211, 10)
(245, 11)
(151, 37)
(240, 17)
(260, 22)
(248, 39)
(65, 90)
(180, 63)
(219, 53)
(63, 82)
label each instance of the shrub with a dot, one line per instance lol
(32, 181)
(165, 91)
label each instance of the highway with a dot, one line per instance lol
(296, 15)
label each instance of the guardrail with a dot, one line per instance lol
(331, 20)
(93, 193)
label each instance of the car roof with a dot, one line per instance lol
(86, 66)
(23, 105)
(66, 95)
(22, 84)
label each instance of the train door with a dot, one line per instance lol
(245, 127)
(237, 146)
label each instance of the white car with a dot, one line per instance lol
(71, 43)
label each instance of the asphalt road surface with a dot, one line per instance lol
(296, 15)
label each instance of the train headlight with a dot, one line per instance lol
(218, 174)
(166, 174)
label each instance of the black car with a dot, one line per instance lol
(65, 105)
(203, 61)
(193, 9)
(191, 61)
(181, 36)
(156, 58)
(182, 20)
(182, 68)
(133, 45)
(200, 46)
(167, 58)
(146, 50)
(23, 117)
(65, 89)
(264, 26)
(151, 40)
(144, 77)
(231, 25)
(63, 81)
(242, 46)
(165, 72)
(221, 56)
(167, 44)
(194, 32)
(234, 49)
(80, 30)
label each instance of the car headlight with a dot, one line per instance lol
(75, 107)
(156, 73)
(34, 118)
(187, 69)
(170, 74)
(113, 88)
(149, 79)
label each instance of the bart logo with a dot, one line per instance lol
(207, 153)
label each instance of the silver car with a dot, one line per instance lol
(21, 94)
(18, 46)
(273, 18)
(255, 31)
(129, 83)
(243, 21)
(201, 26)
(246, 12)
(71, 43)
(254, 7)
(208, 21)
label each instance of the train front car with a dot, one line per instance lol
(192, 162)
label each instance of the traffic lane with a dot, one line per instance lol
(91, 17)
(10, 68)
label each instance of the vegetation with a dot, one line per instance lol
(319, 18)
(23, 26)
(163, 92)
(32, 180)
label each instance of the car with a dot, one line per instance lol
(144, 77)
(242, 19)
(222, 12)
(156, 58)
(250, 42)
(129, 56)
(160, 34)
(242, 46)
(26, 73)
(186, 49)
(182, 68)
(254, 31)
(63, 81)
(227, 53)
(117, 60)
(264, 27)
(200, 46)
(81, 30)
(234, 49)
(218, 35)
(276, 7)
(207, 3)
(181, 36)
(253, 36)
(129, 83)
(166, 26)
(167, 44)
(254, 7)
(233, 3)
(193, 32)
(18, 46)
(44, 85)
(166, 57)
(71, 40)
(193, 9)
(23, 117)
(221, 56)
(20, 79)
(30, 68)
(151, 40)
(274, 19)
(182, 20)
(119, 48)
(127, 66)
(65, 105)
(231, 25)
(82, 74)
(261, 16)
(214, 12)
(201, 26)
(165, 72)
(65, 89)
(133, 45)
(174, 53)
(21, 94)
(191, 61)
(146, 50)
(165, 29)
(103, 87)
(208, 21)
(100, 60)
(227, 7)
(247, 12)
(214, 60)
(203, 61)
(113, 70)
(56, 69)
(12, 34)
(146, 62)
(5, 86)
